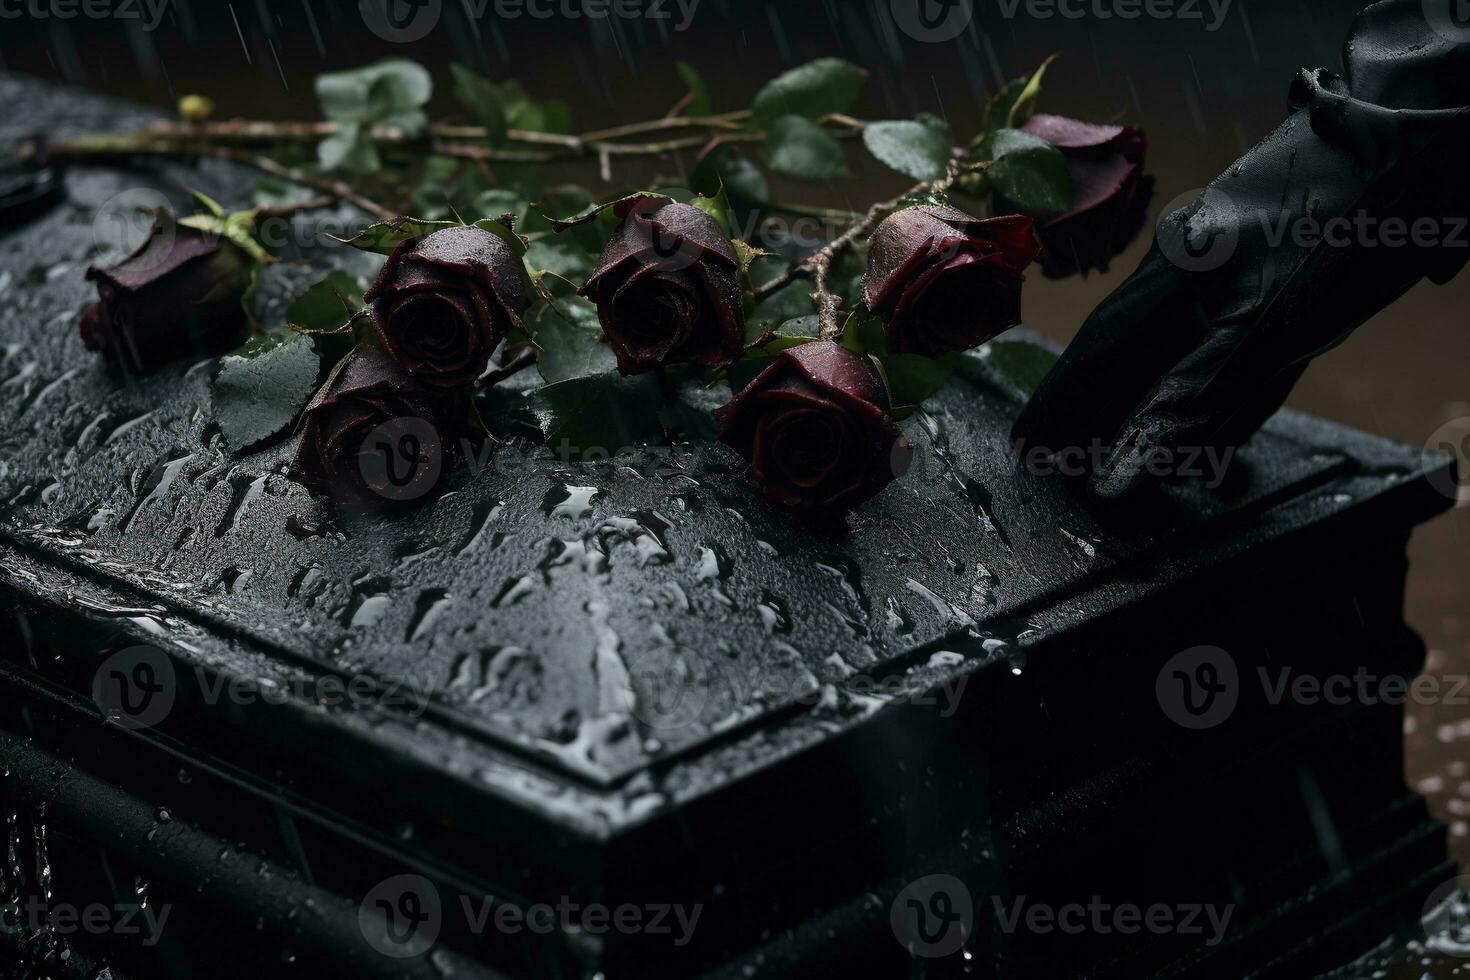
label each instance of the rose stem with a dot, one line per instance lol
(290, 208)
(519, 363)
(209, 137)
(818, 265)
(104, 148)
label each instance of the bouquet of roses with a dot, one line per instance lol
(635, 311)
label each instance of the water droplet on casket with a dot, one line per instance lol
(569, 501)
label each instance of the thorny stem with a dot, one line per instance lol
(453, 140)
(818, 265)
(522, 360)
(99, 149)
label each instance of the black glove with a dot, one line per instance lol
(1206, 339)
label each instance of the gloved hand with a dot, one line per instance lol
(1204, 341)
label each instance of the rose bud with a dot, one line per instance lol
(1110, 193)
(375, 435)
(445, 300)
(813, 426)
(667, 289)
(180, 293)
(945, 281)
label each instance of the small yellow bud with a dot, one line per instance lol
(195, 108)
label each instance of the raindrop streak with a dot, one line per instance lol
(714, 568)
(430, 608)
(645, 529)
(946, 610)
(245, 493)
(898, 620)
(614, 688)
(157, 486)
(369, 603)
(775, 617)
(485, 513)
(514, 591)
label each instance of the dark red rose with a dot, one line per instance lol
(445, 300)
(375, 435)
(179, 294)
(1110, 193)
(667, 288)
(814, 429)
(945, 281)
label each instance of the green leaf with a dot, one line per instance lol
(391, 92)
(1016, 366)
(863, 334)
(920, 150)
(348, 149)
(600, 415)
(1013, 105)
(497, 202)
(235, 229)
(440, 188)
(260, 387)
(481, 98)
(787, 303)
(208, 203)
(393, 87)
(327, 306)
(556, 116)
(797, 330)
(384, 236)
(717, 206)
(699, 102)
(343, 96)
(568, 336)
(1028, 172)
(801, 148)
(912, 378)
(726, 167)
(811, 90)
(558, 258)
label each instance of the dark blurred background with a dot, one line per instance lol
(1205, 82)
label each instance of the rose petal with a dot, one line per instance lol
(1073, 134)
